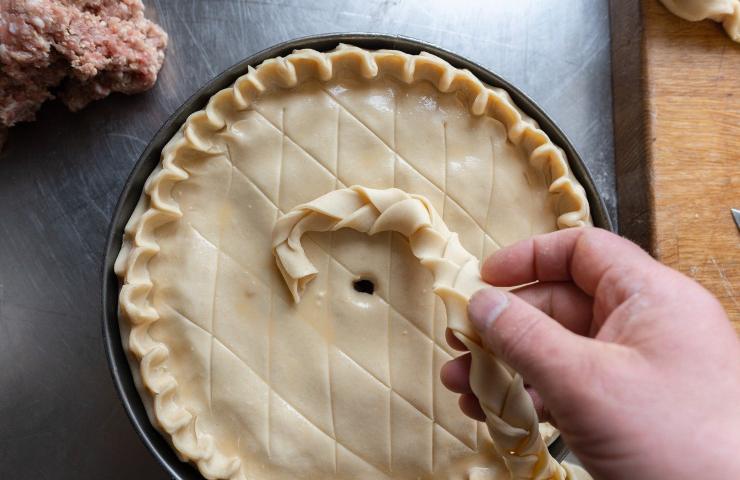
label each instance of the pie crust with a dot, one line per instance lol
(247, 384)
(510, 415)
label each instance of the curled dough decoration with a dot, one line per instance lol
(510, 416)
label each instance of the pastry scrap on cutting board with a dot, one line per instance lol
(246, 382)
(726, 12)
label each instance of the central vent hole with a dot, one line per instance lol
(364, 286)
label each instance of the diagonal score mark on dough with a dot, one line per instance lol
(389, 331)
(271, 387)
(264, 195)
(490, 198)
(515, 431)
(300, 147)
(406, 400)
(272, 294)
(410, 165)
(441, 349)
(397, 156)
(342, 265)
(329, 256)
(215, 287)
(385, 300)
(269, 374)
(434, 320)
(434, 343)
(338, 262)
(329, 371)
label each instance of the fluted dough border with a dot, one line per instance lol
(157, 207)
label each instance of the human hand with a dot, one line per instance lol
(636, 364)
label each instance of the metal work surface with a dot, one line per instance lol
(61, 176)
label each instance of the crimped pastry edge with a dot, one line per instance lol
(156, 206)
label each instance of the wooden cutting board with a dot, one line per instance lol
(677, 129)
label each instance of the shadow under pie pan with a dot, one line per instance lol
(117, 359)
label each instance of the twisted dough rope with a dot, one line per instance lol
(510, 415)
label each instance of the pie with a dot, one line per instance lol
(247, 382)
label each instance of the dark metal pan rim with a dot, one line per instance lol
(117, 361)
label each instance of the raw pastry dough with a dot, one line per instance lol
(726, 12)
(247, 384)
(510, 415)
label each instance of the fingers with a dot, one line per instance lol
(455, 374)
(455, 377)
(471, 407)
(535, 345)
(544, 257)
(562, 301)
(454, 342)
(577, 254)
(539, 406)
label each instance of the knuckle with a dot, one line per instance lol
(516, 345)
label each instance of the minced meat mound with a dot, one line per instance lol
(78, 50)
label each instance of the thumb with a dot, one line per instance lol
(544, 352)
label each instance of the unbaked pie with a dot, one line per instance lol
(247, 382)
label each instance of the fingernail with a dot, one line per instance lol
(486, 306)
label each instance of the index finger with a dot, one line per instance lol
(580, 255)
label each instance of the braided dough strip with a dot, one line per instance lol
(510, 415)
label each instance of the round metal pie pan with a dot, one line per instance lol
(117, 360)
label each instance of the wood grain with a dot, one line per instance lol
(632, 170)
(689, 107)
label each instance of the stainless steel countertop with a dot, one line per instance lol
(60, 178)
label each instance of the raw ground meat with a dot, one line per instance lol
(78, 50)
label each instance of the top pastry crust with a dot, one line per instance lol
(247, 384)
